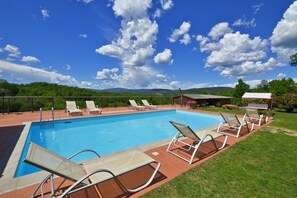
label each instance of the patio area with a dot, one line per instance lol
(11, 126)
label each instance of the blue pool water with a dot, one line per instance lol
(108, 134)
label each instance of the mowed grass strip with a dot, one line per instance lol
(262, 165)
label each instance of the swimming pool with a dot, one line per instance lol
(107, 134)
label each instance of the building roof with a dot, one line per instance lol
(250, 95)
(203, 96)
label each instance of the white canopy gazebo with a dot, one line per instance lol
(253, 95)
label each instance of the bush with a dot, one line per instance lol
(287, 102)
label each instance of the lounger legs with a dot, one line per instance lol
(196, 147)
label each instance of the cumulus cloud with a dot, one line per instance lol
(131, 8)
(30, 74)
(107, 74)
(244, 22)
(284, 36)
(166, 4)
(83, 35)
(234, 54)
(30, 59)
(281, 75)
(157, 13)
(164, 58)
(12, 50)
(219, 30)
(186, 39)
(45, 13)
(181, 31)
(133, 46)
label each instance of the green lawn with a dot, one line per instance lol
(285, 120)
(262, 165)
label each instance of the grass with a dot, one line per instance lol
(285, 120)
(262, 165)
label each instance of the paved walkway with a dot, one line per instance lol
(11, 125)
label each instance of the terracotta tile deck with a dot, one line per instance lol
(172, 166)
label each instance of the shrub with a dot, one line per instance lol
(287, 102)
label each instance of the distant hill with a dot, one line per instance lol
(211, 90)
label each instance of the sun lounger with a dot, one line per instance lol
(136, 106)
(71, 108)
(89, 173)
(253, 116)
(231, 121)
(92, 108)
(147, 105)
(257, 106)
(197, 138)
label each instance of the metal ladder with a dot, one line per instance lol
(53, 117)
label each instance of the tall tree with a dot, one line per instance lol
(293, 60)
(263, 86)
(283, 86)
(240, 89)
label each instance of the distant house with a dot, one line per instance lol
(201, 99)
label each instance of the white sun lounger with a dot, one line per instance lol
(90, 172)
(92, 108)
(231, 121)
(198, 138)
(71, 108)
(136, 106)
(253, 116)
(147, 105)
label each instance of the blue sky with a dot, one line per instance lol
(168, 44)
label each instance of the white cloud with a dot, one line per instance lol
(161, 77)
(164, 58)
(185, 40)
(244, 22)
(83, 35)
(157, 13)
(166, 4)
(281, 75)
(135, 44)
(30, 59)
(257, 7)
(284, 36)
(13, 50)
(31, 74)
(86, 84)
(183, 29)
(68, 67)
(219, 30)
(235, 54)
(175, 84)
(131, 8)
(106, 74)
(45, 13)
(85, 1)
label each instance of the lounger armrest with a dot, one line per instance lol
(77, 107)
(97, 107)
(83, 151)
